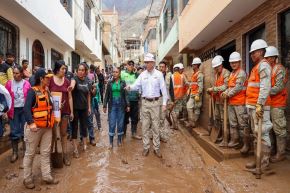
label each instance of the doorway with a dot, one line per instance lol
(37, 54)
(225, 52)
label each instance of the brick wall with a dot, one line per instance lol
(268, 14)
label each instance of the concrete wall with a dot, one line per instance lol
(49, 12)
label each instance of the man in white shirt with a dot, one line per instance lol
(151, 82)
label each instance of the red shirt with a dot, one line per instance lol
(65, 110)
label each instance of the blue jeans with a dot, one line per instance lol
(96, 113)
(17, 124)
(116, 118)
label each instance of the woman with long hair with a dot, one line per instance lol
(60, 84)
(18, 89)
(117, 102)
(81, 88)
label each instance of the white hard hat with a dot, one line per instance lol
(235, 57)
(181, 66)
(176, 66)
(222, 59)
(217, 61)
(196, 60)
(271, 51)
(258, 44)
(149, 58)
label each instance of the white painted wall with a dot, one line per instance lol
(52, 14)
(27, 32)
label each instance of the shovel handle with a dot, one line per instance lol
(259, 145)
(225, 120)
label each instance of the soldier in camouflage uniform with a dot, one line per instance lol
(278, 102)
(236, 94)
(178, 83)
(221, 84)
(196, 89)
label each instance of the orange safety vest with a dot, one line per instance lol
(240, 97)
(219, 82)
(253, 89)
(42, 110)
(194, 85)
(178, 85)
(280, 99)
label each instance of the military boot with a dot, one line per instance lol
(252, 164)
(190, 122)
(14, 156)
(246, 140)
(265, 161)
(281, 146)
(235, 138)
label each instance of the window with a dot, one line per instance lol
(96, 29)
(173, 8)
(160, 33)
(67, 4)
(285, 38)
(37, 54)
(87, 14)
(27, 48)
(254, 34)
(75, 60)
(55, 56)
(8, 37)
(184, 3)
(165, 21)
(225, 52)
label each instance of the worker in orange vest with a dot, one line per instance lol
(278, 95)
(184, 114)
(221, 84)
(196, 89)
(236, 94)
(179, 82)
(258, 100)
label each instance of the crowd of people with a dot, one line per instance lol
(40, 104)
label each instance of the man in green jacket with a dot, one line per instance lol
(129, 76)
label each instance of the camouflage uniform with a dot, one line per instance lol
(219, 104)
(278, 113)
(193, 107)
(238, 116)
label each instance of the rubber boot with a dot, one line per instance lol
(14, 156)
(190, 122)
(235, 138)
(252, 164)
(174, 124)
(266, 152)
(120, 137)
(281, 147)
(246, 140)
(111, 138)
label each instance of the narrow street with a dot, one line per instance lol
(184, 168)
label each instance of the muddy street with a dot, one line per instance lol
(184, 168)
(123, 169)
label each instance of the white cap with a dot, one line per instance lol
(235, 57)
(196, 60)
(271, 51)
(258, 44)
(149, 58)
(176, 66)
(181, 66)
(217, 61)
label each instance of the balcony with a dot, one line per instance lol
(209, 19)
(39, 16)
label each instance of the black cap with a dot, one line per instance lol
(10, 53)
(41, 73)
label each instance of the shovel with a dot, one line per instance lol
(215, 131)
(259, 144)
(225, 141)
(57, 155)
(210, 120)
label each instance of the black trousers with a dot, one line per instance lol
(80, 119)
(133, 114)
